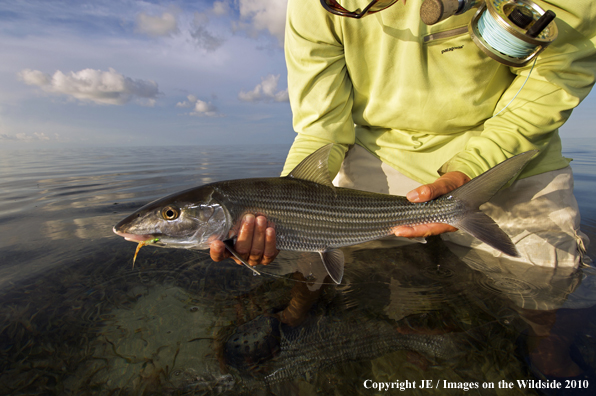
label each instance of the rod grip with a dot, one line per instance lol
(435, 11)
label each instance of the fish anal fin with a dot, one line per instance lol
(229, 243)
(315, 167)
(333, 261)
(482, 227)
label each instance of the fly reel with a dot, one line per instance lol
(512, 32)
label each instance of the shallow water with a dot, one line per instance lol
(77, 318)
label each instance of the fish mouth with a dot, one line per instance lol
(133, 237)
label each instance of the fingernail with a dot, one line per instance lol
(248, 218)
(412, 195)
(261, 221)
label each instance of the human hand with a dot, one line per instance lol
(255, 243)
(443, 185)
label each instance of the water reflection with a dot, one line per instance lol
(76, 318)
(180, 323)
(457, 311)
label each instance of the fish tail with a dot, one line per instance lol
(480, 190)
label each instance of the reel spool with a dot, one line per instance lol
(512, 32)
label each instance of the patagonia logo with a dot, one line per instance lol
(451, 49)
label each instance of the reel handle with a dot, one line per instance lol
(541, 23)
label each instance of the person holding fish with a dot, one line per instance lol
(391, 106)
(409, 118)
(420, 110)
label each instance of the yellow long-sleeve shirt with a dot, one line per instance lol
(425, 106)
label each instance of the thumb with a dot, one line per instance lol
(443, 185)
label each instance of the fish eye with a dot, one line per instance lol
(170, 212)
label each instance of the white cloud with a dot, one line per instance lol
(264, 15)
(191, 101)
(157, 26)
(265, 91)
(103, 87)
(205, 109)
(35, 77)
(200, 108)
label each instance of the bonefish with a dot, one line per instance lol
(311, 215)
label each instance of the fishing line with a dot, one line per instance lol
(263, 270)
(512, 32)
(507, 105)
(501, 40)
(288, 277)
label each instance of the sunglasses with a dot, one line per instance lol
(374, 6)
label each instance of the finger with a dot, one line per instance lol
(244, 241)
(423, 230)
(422, 193)
(431, 191)
(258, 241)
(443, 185)
(270, 251)
(218, 251)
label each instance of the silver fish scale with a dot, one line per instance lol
(313, 217)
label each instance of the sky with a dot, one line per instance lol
(133, 72)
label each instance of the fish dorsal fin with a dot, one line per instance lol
(315, 167)
(333, 260)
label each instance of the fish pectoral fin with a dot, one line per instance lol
(229, 243)
(333, 261)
